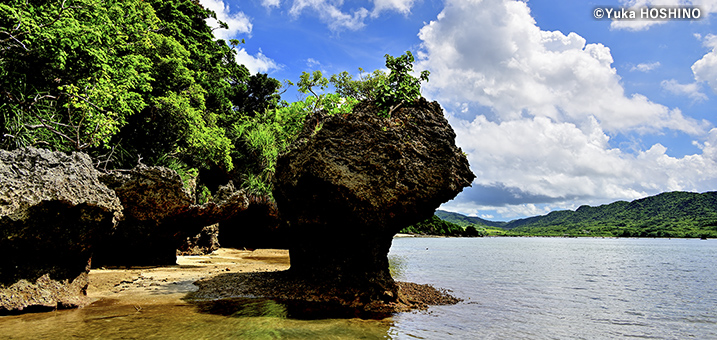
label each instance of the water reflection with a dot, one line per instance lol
(218, 319)
(283, 309)
(397, 266)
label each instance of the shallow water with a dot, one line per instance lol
(258, 319)
(513, 288)
(555, 288)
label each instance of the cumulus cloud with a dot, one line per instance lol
(493, 53)
(645, 67)
(255, 63)
(527, 167)
(238, 22)
(706, 8)
(705, 69)
(534, 110)
(691, 90)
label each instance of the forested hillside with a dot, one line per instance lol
(670, 214)
(464, 220)
(438, 227)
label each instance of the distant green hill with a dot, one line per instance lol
(670, 214)
(464, 220)
(438, 227)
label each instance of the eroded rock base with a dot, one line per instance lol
(284, 286)
(44, 295)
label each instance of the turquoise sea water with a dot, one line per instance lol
(513, 288)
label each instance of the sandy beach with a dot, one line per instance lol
(156, 285)
(226, 273)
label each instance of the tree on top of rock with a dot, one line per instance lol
(400, 86)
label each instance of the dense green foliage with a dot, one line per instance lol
(72, 72)
(400, 86)
(265, 135)
(126, 81)
(130, 81)
(389, 91)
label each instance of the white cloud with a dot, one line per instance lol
(491, 52)
(332, 14)
(238, 23)
(534, 161)
(709, 147)
(705, 69)
(401, 6)
(312, 63)
(270, 3)
(706, 8)
(545, 158)
(691, 90)
(256, 63)
(338, 18)
(645, 67)
(534, 110)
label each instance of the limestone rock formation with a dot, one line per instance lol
(351, 182)
(53, 209)
(160, 214)
(204, 243)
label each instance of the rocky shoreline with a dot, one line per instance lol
(231, 273)
(282, 286)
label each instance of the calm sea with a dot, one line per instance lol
(513, 288)
(563, 288)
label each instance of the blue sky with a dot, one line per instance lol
(554, 108)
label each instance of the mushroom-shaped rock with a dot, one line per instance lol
(351, 182)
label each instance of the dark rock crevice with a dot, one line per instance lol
(160, 215)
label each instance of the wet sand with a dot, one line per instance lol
(226, 273)
(167, 284)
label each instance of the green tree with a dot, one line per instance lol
(389, 91)
(436, 226)
(363, 88)
(262, 137)
(123, 81)
(70, 75)
(400, 86)
(195, 80)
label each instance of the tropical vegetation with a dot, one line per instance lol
(145, 81)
